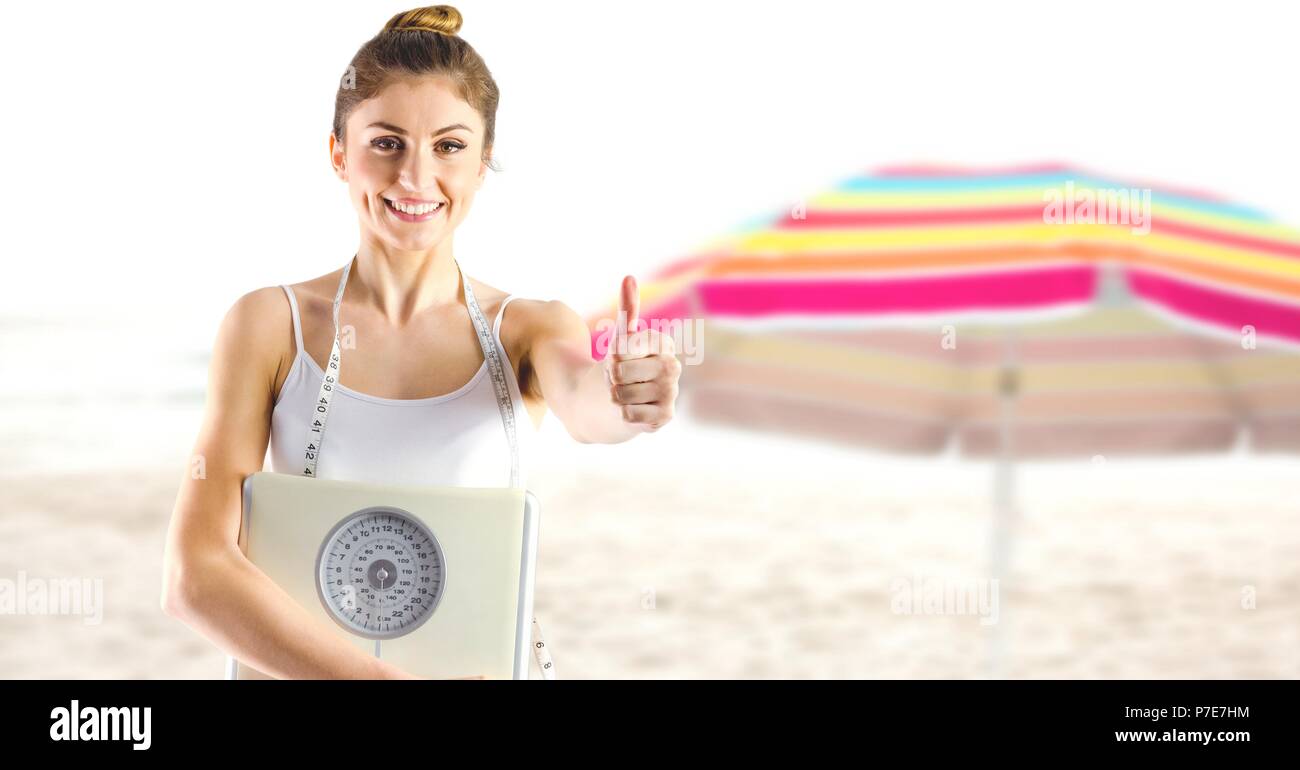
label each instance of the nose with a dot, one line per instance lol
(419, 172)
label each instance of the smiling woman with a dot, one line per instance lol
(417, 72)
(398, 368)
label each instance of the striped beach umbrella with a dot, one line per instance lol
(1045, 311)
(1002, 313)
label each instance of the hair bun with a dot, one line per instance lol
(443, 19)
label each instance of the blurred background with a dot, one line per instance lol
(929, 432)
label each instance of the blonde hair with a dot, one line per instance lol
(418, 42)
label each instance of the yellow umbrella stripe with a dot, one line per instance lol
(1131, 375)
(1086, 321)
(794, 242)
(920, 372)
(894, 202)
(651, 293)
(833, 359)
(1092, 323)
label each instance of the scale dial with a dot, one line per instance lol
(380, 573)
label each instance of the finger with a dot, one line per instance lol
(628, 370)
(651, 342)
(629, 303)
(645, 343)
(638, 393)
(649, 416)
(629, 307)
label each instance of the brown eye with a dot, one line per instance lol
(455, 146)
(384, 143)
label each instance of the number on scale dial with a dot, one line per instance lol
(380, 573)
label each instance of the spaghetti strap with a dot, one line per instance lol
(297, 320)
(496, 325)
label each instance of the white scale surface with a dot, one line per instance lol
(436, 580)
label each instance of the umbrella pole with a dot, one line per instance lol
(1004, 502)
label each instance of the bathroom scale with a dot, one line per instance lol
(437, 580)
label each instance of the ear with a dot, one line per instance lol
(337, 158)
(483, 169)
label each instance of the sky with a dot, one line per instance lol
(164, 159)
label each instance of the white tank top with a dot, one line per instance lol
(453, 439)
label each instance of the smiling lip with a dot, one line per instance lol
(403, 216)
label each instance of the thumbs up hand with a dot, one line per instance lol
(641, 366)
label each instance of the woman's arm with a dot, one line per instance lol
(604, 402)
(208, 583)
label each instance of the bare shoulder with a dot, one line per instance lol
(257, 311)
(257, 331)
(524, 318)
(538, 320)
(317, 290)
(526, 325)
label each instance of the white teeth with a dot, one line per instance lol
(423, 208)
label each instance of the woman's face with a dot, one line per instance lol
(416, 144)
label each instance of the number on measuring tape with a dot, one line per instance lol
(364, 602)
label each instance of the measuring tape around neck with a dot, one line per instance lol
(505, 405)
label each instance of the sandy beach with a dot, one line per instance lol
(701, 553)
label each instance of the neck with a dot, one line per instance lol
(402, 284)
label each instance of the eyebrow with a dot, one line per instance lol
(402, 131)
